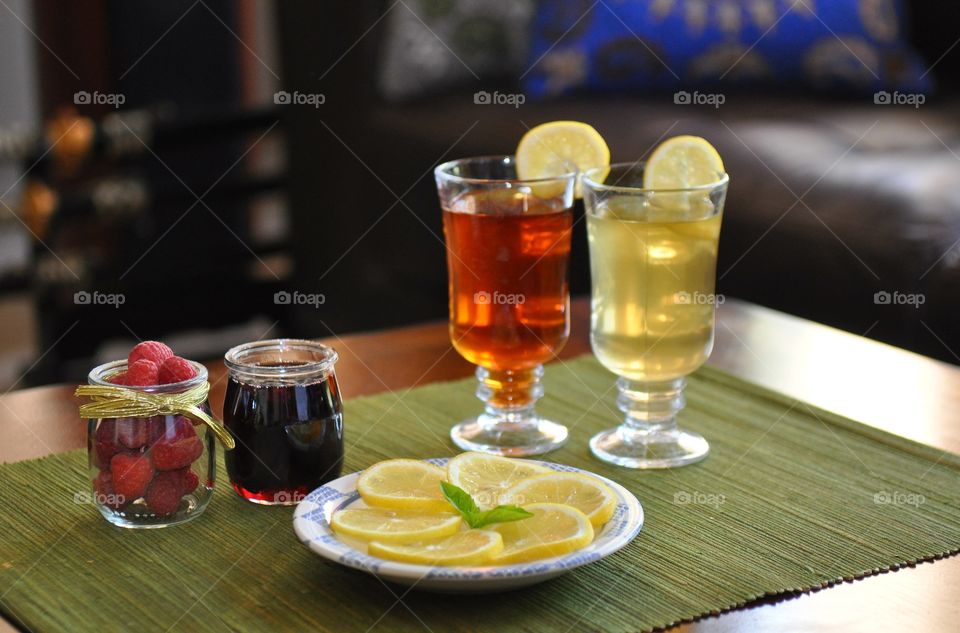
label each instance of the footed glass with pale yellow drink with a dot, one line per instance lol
(653, 232)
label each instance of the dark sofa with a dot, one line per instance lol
(832, 202)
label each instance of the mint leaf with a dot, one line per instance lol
(475, 518)
(461, 500)
(500, 514)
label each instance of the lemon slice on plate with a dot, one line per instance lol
(553, 530)
(394, 526)
(472, 547)
(408, 484)
(559, 147)
(682, 162)
(485, 477)
(585, 493)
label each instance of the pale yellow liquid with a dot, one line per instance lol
(653, 284)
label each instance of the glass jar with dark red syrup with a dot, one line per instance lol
(283, 407)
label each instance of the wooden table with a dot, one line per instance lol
(892, 389)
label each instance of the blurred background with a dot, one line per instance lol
(212, 172)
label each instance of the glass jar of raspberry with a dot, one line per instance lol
(150, 472)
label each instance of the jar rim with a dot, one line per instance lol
(326, 358)
(446, 172)
(595, 179)
(100, 374)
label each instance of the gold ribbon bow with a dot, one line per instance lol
(119, 402)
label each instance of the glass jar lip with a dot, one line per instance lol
(99, 375)
(233, 359)
(589, 180)
(443, 171)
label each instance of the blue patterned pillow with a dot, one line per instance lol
(621, 45)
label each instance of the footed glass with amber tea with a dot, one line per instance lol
(508, 245)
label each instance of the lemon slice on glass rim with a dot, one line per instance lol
(682, 162)
(553, 149)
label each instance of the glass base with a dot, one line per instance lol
(289, 497)
(139, 517)
(509, 425)
(489, 435)
(660, 449)
(649, 437)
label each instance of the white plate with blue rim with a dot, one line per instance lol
(311, 522)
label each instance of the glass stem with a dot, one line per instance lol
(510, 395)
(650, 407)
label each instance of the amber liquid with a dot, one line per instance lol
(507, 257)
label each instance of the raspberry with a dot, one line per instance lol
(137, 432)
(118, 379)
(105, 443)
(163, 495)
(186, 478)
(132, 473)
(142, 373)
(154, 351)
(176, 369)
(189, 481)
(178, 447)
(105, 494)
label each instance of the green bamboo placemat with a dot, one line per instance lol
(790, 498)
